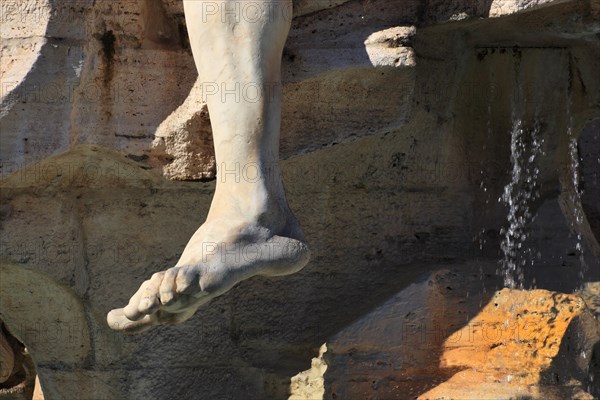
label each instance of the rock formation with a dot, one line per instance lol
(396, 133)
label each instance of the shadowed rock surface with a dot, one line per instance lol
(397, 145)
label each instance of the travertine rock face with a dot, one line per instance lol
(303, 7)
(183, 144)
(310, 384)
(394, 172)
(22, 40)
(443, 338)
(84, 75)
(521, 345)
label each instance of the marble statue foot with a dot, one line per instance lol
(249, 230)
(221, 253)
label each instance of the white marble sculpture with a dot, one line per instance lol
(249, 229)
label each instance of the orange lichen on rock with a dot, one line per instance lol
(511, 345)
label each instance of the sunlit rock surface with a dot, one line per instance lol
(523, 344)
(514, 344)
(397, 144)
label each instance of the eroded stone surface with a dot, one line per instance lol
(183, 144)
(23, 33)
(310, 384)
(302, 7)
(433, 340)
(400, 193)
(519, 343)
(97, 96)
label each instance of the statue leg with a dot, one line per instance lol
(249, 230)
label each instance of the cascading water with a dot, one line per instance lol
(523, 188)
(574, 190)
(525, 148)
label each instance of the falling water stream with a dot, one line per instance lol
(575, 201)
(574, 190)
(519, 193)
(524, 187)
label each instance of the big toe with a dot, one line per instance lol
(119, 322)
(146, 300)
